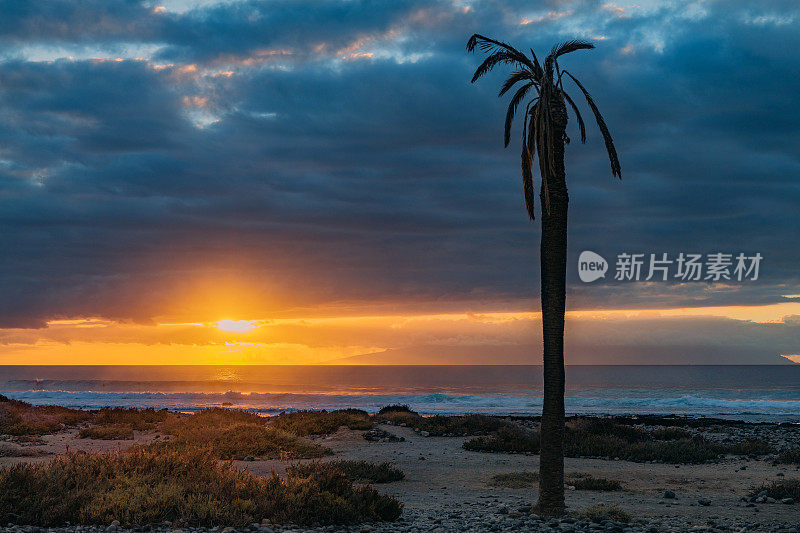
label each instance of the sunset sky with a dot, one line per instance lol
(298, 182)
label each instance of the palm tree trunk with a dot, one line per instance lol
(554, 272)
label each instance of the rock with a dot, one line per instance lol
(115, 523)
(770, 500)
(704, 502)
(669, 495)
(424, 433)
(379, 435)
(111, 529)
(787, 500)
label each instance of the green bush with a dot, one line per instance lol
(360, 471)
(321, 422)
(147, 487)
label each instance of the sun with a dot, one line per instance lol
(236, 326)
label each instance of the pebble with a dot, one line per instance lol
(458, 521)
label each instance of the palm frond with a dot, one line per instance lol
(616, 170)
(513, 80)
(570, 46)
(486, 44)
(490, 62)
(527, 173)
(512, 110)
(578, 116)
(537, 68)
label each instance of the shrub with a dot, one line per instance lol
(785, 488)
(515, 480)
(790, 456)
(600, 512)
(21, 418)
(395, 408)
(20, 451)
(138, 419)
(527, 479)
(685, 451)
(361, 471)
(670, 433)
(113, 432)
(147, 487)
(751, 447)
(507, 439)
(398, 414)
(462, 425)
(239, 441)
(588, 482)
(321, 422)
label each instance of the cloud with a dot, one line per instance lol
(334, 154)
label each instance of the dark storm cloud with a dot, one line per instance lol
(265, 131)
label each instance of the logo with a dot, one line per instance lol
(591, 266)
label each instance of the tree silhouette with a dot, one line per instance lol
(544, 136)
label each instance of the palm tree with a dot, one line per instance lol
(544, 135)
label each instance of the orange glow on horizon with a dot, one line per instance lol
(314, 339)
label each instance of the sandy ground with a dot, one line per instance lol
(442, 476)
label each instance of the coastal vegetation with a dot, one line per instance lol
(358, 471)
(187, 486)
(576, 480)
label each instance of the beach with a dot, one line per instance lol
(446, 487)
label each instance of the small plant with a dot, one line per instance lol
(784, 488)
(600, 512)
(526, 479)
(321, 422)
(670, 433)
(112, 432)
(20, 418)
(359, 471)
(588, 482)
(147, 487)
(751, 447)
(790, 456)
(138, 419)
(515, 480)
(399, 414)
(507, 439)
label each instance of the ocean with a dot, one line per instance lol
(753, 393)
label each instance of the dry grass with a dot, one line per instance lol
(527, 479)
(111, 432)
(21, 418)
(600, 512)
(359, 471)
(145, 487)
(785, 488)
(515, 480)
(321, 422)
(230, 434)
